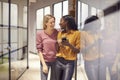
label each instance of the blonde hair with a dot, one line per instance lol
(46, 19)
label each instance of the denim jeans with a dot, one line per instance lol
(95, 70)
(109, 64)
(52, 76)
(64, 69)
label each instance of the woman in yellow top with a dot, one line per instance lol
(68, 47)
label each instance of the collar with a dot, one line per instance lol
(69, 32)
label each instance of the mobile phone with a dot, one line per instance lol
(64, 39)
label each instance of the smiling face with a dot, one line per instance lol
(51, 23)
(62, 23)
(48, 22)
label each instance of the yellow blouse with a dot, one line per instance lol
(74, 39)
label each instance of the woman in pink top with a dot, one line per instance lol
(45, 43)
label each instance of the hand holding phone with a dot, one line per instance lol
(64, 39)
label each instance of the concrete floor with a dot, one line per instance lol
(33, 73)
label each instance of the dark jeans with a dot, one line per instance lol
(109, 64)
(52, 76)
(64, 69)
(112, 76)
(95, 70)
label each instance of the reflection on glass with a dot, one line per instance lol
(101, 16)
(57, 13)
(84, 13)
(93, 11)
(65, 8)
(39, 16)
(111, 44)
(47, 10)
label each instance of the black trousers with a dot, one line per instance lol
(64, 69)
(44, 76)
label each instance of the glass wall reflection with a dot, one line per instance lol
(100, 45)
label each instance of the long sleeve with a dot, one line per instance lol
(39, 45)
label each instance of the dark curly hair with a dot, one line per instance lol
(71, 24)
(92, 23)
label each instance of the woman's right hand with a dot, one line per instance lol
(45, 69)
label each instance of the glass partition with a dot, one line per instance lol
(5, 11)
(4, 56)
(0, 13)
(18, 38)
(13, 39)
(99, 58)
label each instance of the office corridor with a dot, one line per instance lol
(21, 19)
(33, 72)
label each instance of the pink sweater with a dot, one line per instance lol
(46, 44)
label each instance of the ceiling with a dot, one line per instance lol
(100, 4)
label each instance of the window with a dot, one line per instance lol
(60, 9)
(40, 13)
(47, 10)
(65, 7)
(13, 14)
(79, 14)
(84, 13)
(39, 18)
(93, 11)
(57, 13)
